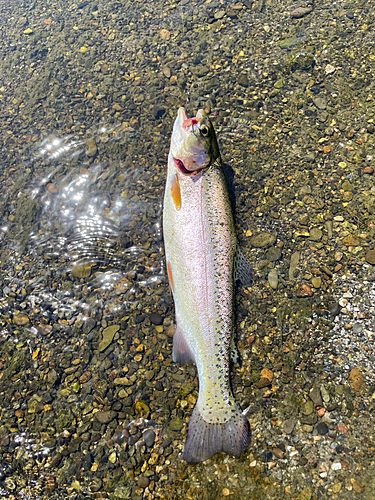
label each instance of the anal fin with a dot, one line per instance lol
(182, 352)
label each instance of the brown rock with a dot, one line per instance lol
(117, 107)
(351, 240)
(277, 453)
(368, 170)
(263, 382)
(165, 34)
(85, 377)
(92, 148)
(21, 319)
(358, 487)
(266, 373)
(357, 380)
(52, 188)
(170, 330)
(370, 257)
(304, 291)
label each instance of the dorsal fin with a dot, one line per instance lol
(243, 272)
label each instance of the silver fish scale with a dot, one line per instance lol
(222, 244)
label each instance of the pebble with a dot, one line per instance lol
(104, 417)
(156, 319)
(81, 270)
(316, 282)
(21, 319)
(92, 148)
(52, 188)
(289, 425)
(320, 102)
(85, 377)
(322, 428)
(176, 424)
(273, 254)
(277, 453)
(273, 278)
(107, 337)
(315, 234)
(351, 240)
(149, 437)
(294, 259)
(219, 14)
(300, 12)
(143, 482)
(165, 34)
(368, 170)
(307, 408)
(370, 257)
(315, 396)
(304, 291)
(88, 325)
(307, 428)
(263, 240)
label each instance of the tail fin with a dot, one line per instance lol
(204, 439)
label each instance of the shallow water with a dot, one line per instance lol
(91, 405)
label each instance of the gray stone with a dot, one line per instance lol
(322, 428)
(88, 325)
(273, 278)
(219, 14)
(316, 234)
(149, 437)
(158, 111)
(273, 254)
(294, 259)
(357, 328)
(289, 425)
(315, 396)
(104, 417)
(320, 102)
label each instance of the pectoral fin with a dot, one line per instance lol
(182, 352)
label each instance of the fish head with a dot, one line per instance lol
(193, 145)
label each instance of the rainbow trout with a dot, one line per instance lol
(201, 254)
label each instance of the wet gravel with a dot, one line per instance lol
(91, 404)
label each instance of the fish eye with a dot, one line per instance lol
(204, 131)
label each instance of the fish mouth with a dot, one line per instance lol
(181, 167)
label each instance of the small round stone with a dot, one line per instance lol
(156, 319)
(322, 428)
(143, 482)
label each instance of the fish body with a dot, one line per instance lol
(200, 248)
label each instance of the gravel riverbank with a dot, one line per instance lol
(91, 404)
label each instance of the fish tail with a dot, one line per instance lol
(204, 439)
